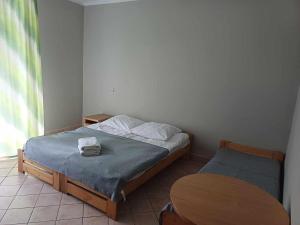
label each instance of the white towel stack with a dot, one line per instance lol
(89, 146)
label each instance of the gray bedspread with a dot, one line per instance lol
(262, 172)
(121, 158)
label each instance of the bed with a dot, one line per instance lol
(260, 167)
(127, 161)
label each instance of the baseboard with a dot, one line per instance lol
(73, 127)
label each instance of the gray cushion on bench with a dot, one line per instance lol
(263, 172)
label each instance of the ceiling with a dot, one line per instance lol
(98, 2)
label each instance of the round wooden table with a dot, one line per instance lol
(210, 199)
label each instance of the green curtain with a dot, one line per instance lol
(21, 98)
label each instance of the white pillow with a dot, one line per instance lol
(157, 131)
(122, 122)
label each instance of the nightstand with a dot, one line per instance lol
(88, 120)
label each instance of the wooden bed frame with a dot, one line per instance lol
(66, 185)
(171, 218)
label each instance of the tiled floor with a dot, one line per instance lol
(26, 200)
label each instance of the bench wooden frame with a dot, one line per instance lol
(271, 154)
(172, 218)
(66, 185)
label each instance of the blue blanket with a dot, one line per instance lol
(121, 158)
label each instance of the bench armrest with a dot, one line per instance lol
(275, 155)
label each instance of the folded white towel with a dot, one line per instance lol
(88, 141)
(89, 146)
(92, 151)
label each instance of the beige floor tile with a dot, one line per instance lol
(15, 216)
(7, 164)
(154, 195)
(32, 180)
(30, 189)
(157, 214)
(159, 203)
(13, 180)
(123, 219)
(24, 201)
(9, 190)
(68, 199)
(5, 202)
(145, 219)
(123, 207)
(95, 221)
(139, 205)
(70, 211)
(14, 172)
(48, 189)
(158, 191)
(69, 222)
(139, 193)
(2, 212)
(90, 211)
(44, 223)
(4, 172)
(40, 214)
(49, 199)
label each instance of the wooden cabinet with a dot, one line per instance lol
(88, 120)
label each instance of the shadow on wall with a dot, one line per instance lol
(291, 195)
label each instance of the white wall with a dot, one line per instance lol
(291, 197)
(61, 28)
(219, 69)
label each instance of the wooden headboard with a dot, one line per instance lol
(271, 154)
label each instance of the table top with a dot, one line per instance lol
(211, 199)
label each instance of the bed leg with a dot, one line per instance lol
(63, 183)
(56, 180)
(111, 210)
(20, 161)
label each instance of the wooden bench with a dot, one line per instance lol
(257, 166)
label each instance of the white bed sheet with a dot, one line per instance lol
(178, 141)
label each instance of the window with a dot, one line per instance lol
(21, 98)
